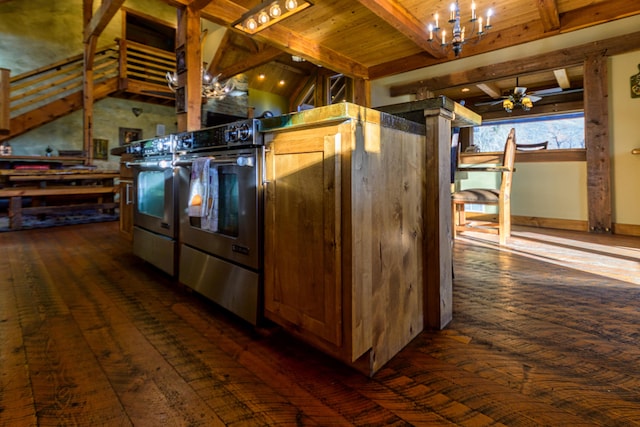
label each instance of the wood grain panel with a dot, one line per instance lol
(303, 202)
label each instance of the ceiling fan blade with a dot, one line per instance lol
(520, 90)
(477, 104)
(550, 91)
(534, 98)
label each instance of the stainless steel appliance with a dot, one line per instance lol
(222, 258)
(154, 198)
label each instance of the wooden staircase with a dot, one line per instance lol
(126, 70)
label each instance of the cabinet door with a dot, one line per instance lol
(126, 208)
(302, 244)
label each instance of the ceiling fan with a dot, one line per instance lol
(519, 97)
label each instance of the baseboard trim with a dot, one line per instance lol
(556, 223)
(626, 229)
(560, 224)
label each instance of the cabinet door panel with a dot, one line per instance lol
(302, 272)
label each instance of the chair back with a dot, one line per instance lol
(455, 153)
(510, 150)
(508, 163)
(532, 147)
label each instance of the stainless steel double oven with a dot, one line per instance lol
(155, 196)
(219, 171)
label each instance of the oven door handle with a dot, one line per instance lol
(212, 160)
(162, 165)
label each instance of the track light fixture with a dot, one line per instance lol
(268, 13)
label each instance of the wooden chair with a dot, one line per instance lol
(500, 197)
(532, 147)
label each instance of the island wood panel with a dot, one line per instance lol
(302, 240)
(373, 232)
(387, 235)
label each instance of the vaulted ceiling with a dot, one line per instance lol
(370, 39)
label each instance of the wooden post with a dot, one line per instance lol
(596, 119)
(438, 292)
(5, 99)
(87, 99)
(189, 93)
(362, 92)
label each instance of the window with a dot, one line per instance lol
(561, 131)
(337, 89)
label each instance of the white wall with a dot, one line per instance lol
(559, 190)
(624, 115)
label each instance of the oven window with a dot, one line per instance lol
(229, 202)
(151, 193)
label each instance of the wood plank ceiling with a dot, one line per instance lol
(370, 39)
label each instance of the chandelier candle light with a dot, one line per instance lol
(458, 32)
(211, 87)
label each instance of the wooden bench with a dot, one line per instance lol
(71, 186)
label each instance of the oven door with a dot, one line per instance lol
(154, 189)
(236, 235)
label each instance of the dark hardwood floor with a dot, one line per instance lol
(546, 332)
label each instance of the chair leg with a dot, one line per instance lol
(454, 231)
(504, 220)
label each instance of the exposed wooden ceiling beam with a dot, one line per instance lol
(225, 12)
(402, 20)
(535, 63)
(198, 4)
(597, 14)
(215, 61)
(549, 15)
(519, 34)
(103, 16)
(265, 56)
(490, 89)
(562, 78)
(177, 3)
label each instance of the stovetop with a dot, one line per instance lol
(242, 133)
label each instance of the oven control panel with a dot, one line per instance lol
(242, 133)
(159, 146)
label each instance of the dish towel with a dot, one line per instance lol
(210, 217)
(199, 187)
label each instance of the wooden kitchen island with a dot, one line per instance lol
(346, 230)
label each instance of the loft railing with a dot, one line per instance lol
(143, 68)
(139, 69)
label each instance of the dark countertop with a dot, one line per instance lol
(338, 112)
(414, 110)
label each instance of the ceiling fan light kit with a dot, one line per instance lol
(268, 13)
(459, 36)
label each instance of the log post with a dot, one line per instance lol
(438, 272)
(596, 140)
(189, 91)
(5, 98)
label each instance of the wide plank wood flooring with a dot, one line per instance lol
(546, 331)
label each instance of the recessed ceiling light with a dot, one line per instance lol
(261, 76)
(281, 82)
(465, 89)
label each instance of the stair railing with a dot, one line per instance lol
(44, 85)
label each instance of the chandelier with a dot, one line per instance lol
(268, 13)
(458, 35)
(212, 88)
